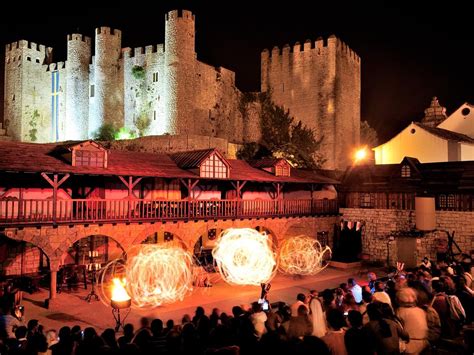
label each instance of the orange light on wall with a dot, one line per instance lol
(360, 154)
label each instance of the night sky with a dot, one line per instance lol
(408, 54)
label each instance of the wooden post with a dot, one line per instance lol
(130, 184)
(53, 284)
(55, 184)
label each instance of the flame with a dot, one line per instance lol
(245, 257)
(302, 255)
(118, 290)
(158, 274)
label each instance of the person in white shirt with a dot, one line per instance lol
(300, 300)
(355, 289)
(380, 295)
(258, 319)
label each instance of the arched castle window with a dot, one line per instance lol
(155, 77)
(406, 172)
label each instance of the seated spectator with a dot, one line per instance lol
(258, 318)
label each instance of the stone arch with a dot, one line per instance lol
(107, 248)
(18, 257)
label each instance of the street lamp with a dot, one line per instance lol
(119, 300)
(360, 154)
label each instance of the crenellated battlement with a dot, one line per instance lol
(23, 44)
(128, 52)
(56, 66)
(108, 31)
(79, 37)
(184, 14)
(309, 46)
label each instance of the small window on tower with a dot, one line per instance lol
(154, 115)
(155, 77)
(28, 59)
(13, 97)
(37, 60)
(92, 90)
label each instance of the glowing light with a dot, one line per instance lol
(124, 133)
(360, 154)
(118, 290)
(245, 257)
(302, 255)
(158, 274)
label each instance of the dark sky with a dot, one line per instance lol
(409, 54)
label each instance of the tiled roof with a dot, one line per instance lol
(266, 162)
(30, 157)
(445, 134)
(192, 159)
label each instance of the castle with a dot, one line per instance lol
(164, 89)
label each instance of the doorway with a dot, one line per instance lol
(406, 251)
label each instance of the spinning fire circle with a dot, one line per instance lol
(245, 257)
(302, 255)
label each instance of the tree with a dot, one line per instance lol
(368, 135)
(106, 132)
(283, 138)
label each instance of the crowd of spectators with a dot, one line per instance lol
(416, 312)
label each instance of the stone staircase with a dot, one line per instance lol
(3, 134)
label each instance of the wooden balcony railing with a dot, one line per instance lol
(19, 212)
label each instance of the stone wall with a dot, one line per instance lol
(320, 85)
(379, 224)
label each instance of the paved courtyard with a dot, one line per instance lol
(71, 307)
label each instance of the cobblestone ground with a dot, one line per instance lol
(71, 308)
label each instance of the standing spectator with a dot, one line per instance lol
(357, 338)
(65, 344)
(300, 301)
(317, 315)
(355, 289)
(413, 319)
(301, 325)
(380, 294)
(334, 338)
(258, 318)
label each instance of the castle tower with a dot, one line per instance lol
(106, 91)
(77, 87)
(435, 114)
(180, 61)
(320, 84)
(27, 94)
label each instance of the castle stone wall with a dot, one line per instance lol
(174, 93)
(108, 106)
(308, 81)
(379, 224)
(76, 124)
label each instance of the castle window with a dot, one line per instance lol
(13, 97)
(37, 60)
(155, 77)
(92, 90)
(28, 59)
(90, 158)
(366, 200)
(406, 172)
(451, 201)
(154, 115)
(213, 167)
(442, 201)
(283, 87)
(8, 60)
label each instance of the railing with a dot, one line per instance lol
(18, 212)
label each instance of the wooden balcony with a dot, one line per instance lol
(45, 212)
